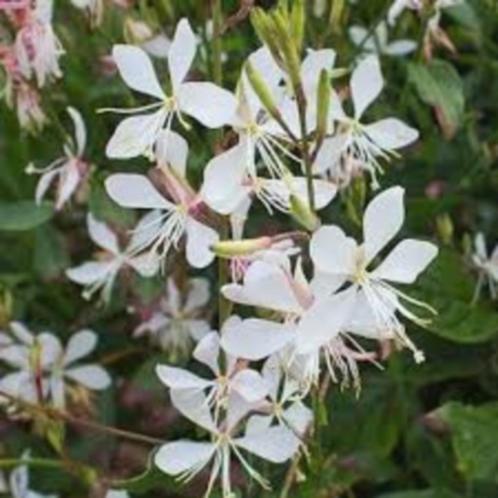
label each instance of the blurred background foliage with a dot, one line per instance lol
(416, 431)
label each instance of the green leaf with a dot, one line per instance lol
(474, 434)
(24, 215)
(448, 286)
(427, 493)
(438, 84)
(51, 256)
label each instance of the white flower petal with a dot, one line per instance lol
(400, 47)
(80, 344)
(406, 261)
(198, 294)
(255, 339)
(312, 66)
(79, 130)
(250, 385)
(211, 105)
(136, 69)
(330, 152)
(332, 251)
(179, 378)
(200, 238)
(193, 405)
(391, 133)
(136, 135)
(44, 183)
(91, 272)
(135, 191)
(324, 321)
(366, 84)
(207, 351)
(223, 177)
(181, 53)
(382, 220)
(265, 285)
(275, 444)
(181, 456)
(172, 149)
(68, 182)
(91, 376)
(102, 235)
(146, 265)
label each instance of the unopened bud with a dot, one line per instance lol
(6, 304)
(262, 91)
(301, 212)
(288, 46)
(445, 228)
(236, 248)
(323, 104)
(336, 15)
(136, 32)
(265, 29)
(298, 18)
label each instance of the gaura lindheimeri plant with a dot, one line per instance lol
(241, 273)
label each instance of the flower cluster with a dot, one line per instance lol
(296, 306)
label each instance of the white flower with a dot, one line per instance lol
(486, 265)
(178, 321)
(210, 105)
(68, 170)
(165, 226)
(353, 139)
(285, 405)
(185, 459)
(339, 259)
(31, 356)
(312, 326)
(227, 379)
(45, 368)
(101, 274)
(377, 42)
(94, 7)
(116, 493)
(37, 47)
(64, 372)
(19, 481)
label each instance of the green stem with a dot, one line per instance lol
(31, 462)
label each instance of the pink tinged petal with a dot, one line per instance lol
(211, 105)
(136, 135)
(172, 149)
(193, 404)
(91, 376)
(366, 84)
(90, 272)
(250, 385)
(382, 220)
(79, 130)
(181, 456)
(400, 47)
(200, 238)
(324, 321)
(69, 180)
(332, 251)
(223, 175)
(80, 344)
(102, 235)
(255, 339)
(178, 378)
(207, 351)
(265, 285)
(44, 183)
(406, 261)
(181, 53)
(391, 134)
(131, 190)
(275, 444)
(136, 69)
